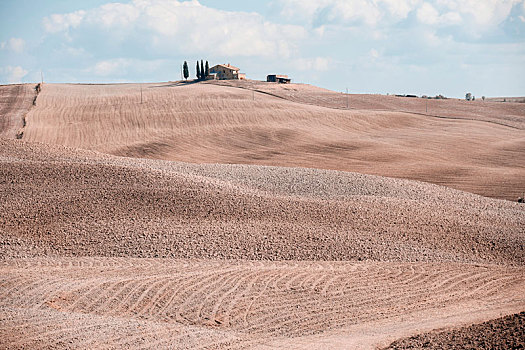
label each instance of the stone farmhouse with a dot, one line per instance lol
(225, 72)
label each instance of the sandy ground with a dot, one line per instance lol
(103, 251)
(481, 152)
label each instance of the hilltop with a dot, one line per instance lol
(471, 146)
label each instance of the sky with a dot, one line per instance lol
(428, 47)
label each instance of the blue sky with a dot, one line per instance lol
(419, 47)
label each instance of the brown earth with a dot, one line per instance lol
(416, 256)
(15, 102)
(58, 201)
(197, 304)
(481, 151)
(103, 251)
(510, 114)
(504, 333)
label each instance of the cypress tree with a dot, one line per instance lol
(185, 70)
(198, 71)
(203, 77)
(207, 69)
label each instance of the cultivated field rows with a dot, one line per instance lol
(210, 123)
(147, 303)
(490, 111)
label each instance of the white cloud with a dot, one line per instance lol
(115, 14)
(14, 44)
(369, 12)
(428, 14)
(186, 25)
(62, 22)
(13, 74)
(477, 16)
(111, 67)
(401, 9)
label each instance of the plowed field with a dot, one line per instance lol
(476, 147)
(108, 241)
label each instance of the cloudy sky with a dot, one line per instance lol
(368, 46)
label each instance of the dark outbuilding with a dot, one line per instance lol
(281, 79)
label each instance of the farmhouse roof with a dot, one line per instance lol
(228, 66)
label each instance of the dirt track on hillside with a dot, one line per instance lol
(15, 103)
(508, 114)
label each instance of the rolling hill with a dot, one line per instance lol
(252, 215)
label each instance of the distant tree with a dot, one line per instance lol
(198, 71)
(473, 98)
(468, 96)
(185, 70)
(206, 70)
(483, 98)
(202, 71)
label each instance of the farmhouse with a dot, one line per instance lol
(225, 72)
(281, 79)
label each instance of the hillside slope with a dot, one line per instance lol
(100, 251)
(15, 102)
(101, 303)
(210, 123)
(58, 201)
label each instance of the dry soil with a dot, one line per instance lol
(143, 251)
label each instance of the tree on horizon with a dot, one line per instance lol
(198, 71)
(203, 77)
(185, 70)
(206, 70)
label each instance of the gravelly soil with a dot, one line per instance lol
(503, 333)
(58, 201)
